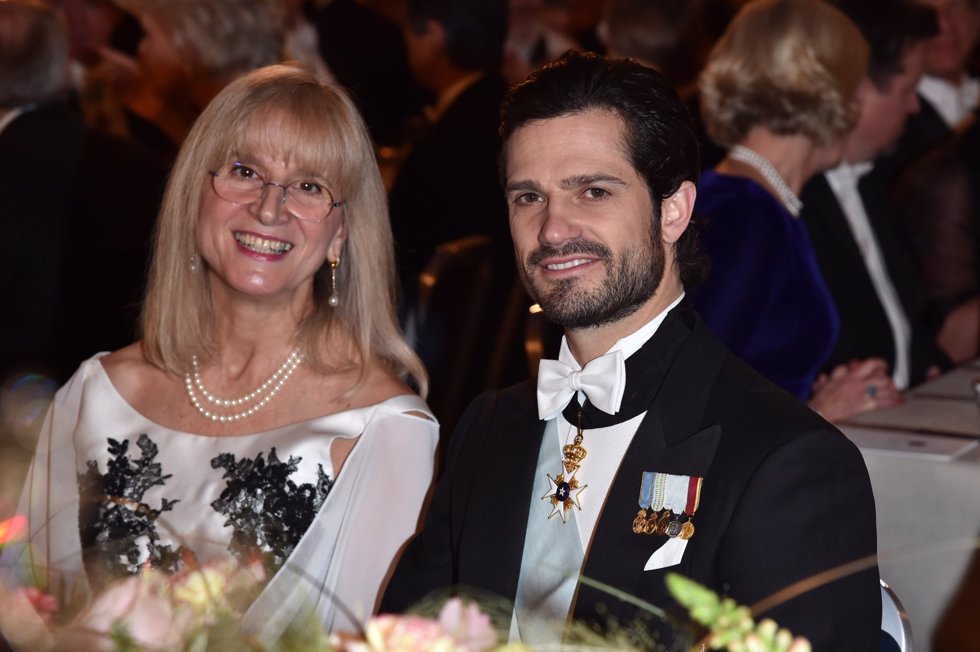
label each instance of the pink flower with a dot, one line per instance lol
(139, 605)
(45, 604)
(387, 633)
(470, 628)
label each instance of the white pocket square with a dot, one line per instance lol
(666, 555)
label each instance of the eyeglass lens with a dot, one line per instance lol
(240, 184)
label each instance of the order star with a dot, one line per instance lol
(563, 495)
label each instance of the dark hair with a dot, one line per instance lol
(475, 29)
(659, 136)
(890, 27)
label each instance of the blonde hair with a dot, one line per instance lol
(321, 130)
(792, 66)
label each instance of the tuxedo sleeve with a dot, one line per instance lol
(807, 510)
(429, 562)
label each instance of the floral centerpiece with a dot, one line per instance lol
(199, 610)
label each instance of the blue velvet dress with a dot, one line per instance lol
(765, 298)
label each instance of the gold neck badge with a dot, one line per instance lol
(564, 494)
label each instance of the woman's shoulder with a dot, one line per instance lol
(128, 368)
(381, 387)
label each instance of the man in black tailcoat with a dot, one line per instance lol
(850, 214)
(647, 447)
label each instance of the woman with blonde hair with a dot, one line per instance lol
(266, 413)
(779, 91)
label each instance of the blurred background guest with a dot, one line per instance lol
(938, 196)
(667, 35)
(365, 51)
(779, 91)
(938, 158)
(272, 285)
(189, 51)
(948, 92)
(531, 41)
(853, 222)
(949, 85)
(94, 27)
(78, 203)
(302, 41)
(447, 187)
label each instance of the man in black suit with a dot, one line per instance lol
(948, 92)
(447, 187)
(365, 52)
(672, 454)
(852, 220)
(77, 205)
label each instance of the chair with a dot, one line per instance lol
(542, 339)
(451, 308)
(508, 365)
(896, 629)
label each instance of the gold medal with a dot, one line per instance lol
(639, 523)
(687, 531)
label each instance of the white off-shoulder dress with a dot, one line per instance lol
(107, 480)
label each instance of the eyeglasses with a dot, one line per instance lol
(308, 201)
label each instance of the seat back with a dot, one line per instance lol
(450, 308)
(542, 339)
(896, 629)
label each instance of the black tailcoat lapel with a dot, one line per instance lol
(491, 542)
(670, 439)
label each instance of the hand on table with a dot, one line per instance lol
(858, 386)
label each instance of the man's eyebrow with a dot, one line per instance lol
(588, 179)
(515, 186)
(567, 183)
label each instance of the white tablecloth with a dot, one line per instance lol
(924, 461)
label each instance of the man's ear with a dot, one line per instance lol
(675, 213)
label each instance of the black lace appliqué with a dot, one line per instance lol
(118, 530)
(268, 511)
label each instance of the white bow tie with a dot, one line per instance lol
(603, 381)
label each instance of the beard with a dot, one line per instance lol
(631, 279)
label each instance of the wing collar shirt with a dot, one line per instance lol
(606, 446)
(843, 181)
(954, 102)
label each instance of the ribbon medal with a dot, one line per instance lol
(667, 504)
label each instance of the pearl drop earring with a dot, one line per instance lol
(333, 300)
(193, 263)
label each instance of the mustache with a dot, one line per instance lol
(572, 247)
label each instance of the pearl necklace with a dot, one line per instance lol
(259, 397)
(769, 173)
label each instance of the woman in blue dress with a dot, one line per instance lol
(779, 92)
